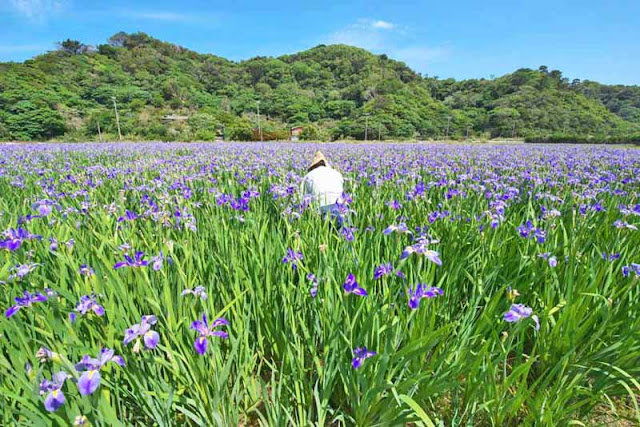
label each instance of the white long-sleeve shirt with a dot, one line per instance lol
(325, 185)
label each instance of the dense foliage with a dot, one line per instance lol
(491, 285)
(561, 138)
(336, 92)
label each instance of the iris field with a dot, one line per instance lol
(163, 284)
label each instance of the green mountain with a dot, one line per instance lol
(167, 92)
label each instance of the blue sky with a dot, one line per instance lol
(588, 39)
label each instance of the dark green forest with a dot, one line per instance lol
(166, 92)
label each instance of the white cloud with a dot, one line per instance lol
(37, 9)
(383, 25)
(398, 42)
(365, 33)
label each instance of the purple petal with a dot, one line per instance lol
(414, 303)
(11, 311)
(119, 360)
(60, 377)
(39, 298)
(219, 322)
(54, 400)
(361, 292)
(511, 317)
(151, 339)
(200, 327)
(88, 382)
(150, 319)
(130, 334)
(433, 256)
(106, 354)
(201, 345)
(221, 334)
(356, 362)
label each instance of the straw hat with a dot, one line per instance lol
(319, 157)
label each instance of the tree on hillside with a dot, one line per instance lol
(73, 47)
(118, 39)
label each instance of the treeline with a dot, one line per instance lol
(582, 139)
(165, 92)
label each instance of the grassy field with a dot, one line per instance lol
(502, 286)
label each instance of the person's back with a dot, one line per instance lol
(323, 183)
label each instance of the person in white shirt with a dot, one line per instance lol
(323, 183)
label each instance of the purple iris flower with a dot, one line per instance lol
(528, 231)
(143, 329)
(382, 270)
(43, 354)
(19, 271)
(207, 330)
(611, 257)
(15, 237)
(87, 304)
(128, 216)
(53, 389)
(361, 354)
(394, 204)
(198, 291)
(44, 207)
(553, 261)
(351, 286)
(292, 257)
(158, 260)
(26, 301)
(540, 235)
(314, 284)
(400, 228)
(348, 233)
(53, 244)
(518, 312)
(50, 292)
(624, 224)
(90, 378)
(86, 270)
(422, 291)
(136, 261)
(421, 248)
(633, 268)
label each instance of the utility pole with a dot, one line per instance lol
(99, 133)
(446, 136)
(259, 128)
(366, 126)
(115, 107)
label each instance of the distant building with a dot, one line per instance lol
(296, 131)
(174, 117)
